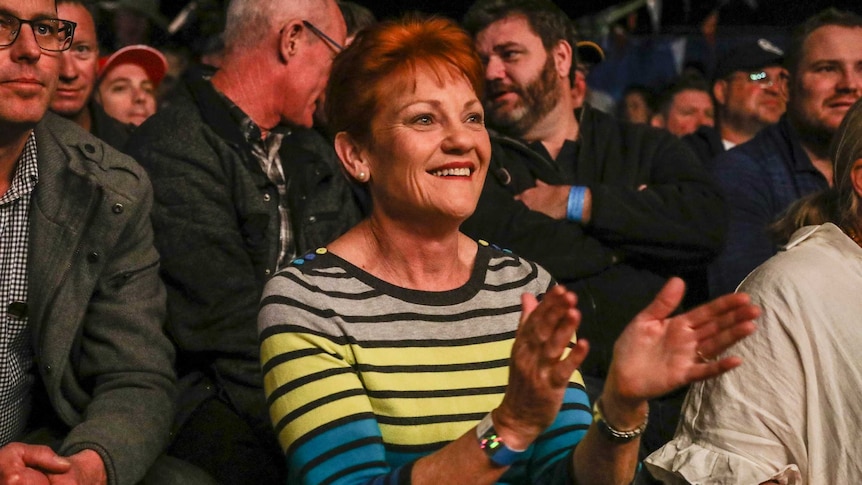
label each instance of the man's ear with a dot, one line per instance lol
(288, 39)
(719, 92)
(856, 176)
(657, 120)
(351, 157)
(562, 53)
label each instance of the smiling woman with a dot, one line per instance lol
(405, 351)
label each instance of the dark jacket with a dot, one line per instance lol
(635, 239)
(217, 228)
(96, 304)
(760, 179)
(706, 144)
(107, 128)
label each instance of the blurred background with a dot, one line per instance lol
(646, 42)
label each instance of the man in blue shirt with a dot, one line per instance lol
(790, 159)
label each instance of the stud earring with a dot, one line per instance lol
(361, 176)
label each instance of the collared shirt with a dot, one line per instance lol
(16, 354)
(266, 151)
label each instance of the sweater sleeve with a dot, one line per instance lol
(318, 405)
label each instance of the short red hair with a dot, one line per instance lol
(362, 75)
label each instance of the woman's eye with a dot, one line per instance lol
(423, 119)
(475, 118)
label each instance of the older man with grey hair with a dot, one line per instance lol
(242, 187)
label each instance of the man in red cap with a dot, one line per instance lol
(128, 81)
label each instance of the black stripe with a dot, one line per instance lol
(323, 429)
(313, 404)
(467, 366)
(549, 435)
(475, 391)
(420, 420)
(296, 354)
(355, 468)
(425, 448)
(297, 383)
(328, 313)
(572, 406)
(460, 342)
(317, 290)
(534, 272)
(503, 263)
(371, 344)
(541, 462)
(352, 445)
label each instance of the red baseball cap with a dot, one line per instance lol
(151, 60)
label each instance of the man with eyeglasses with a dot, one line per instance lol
(78, 73)
(239, 194)
(87, 384)
(750, 93)
(789, 159)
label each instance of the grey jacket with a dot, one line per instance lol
(96, 304)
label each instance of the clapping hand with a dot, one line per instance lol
(656, 353)
(540, 369)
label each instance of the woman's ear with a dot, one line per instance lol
(856, 176)
(350, 154)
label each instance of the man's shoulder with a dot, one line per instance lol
(60, 141)
(706, 144)
(175, 121)
(191, 124)
(769, 143)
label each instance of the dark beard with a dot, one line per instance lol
(813, 136)
(538, 98)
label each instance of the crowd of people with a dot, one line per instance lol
(420, 250)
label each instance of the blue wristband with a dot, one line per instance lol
(575, 206)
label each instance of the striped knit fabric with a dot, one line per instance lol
(363, 378)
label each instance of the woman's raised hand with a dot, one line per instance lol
(540, 366)
(656, 354)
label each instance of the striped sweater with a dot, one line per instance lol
(363, 377)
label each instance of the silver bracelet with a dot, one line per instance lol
(612, 433)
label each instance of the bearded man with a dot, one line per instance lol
(610, 209)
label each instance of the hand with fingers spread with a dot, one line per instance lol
(541, 365)
(657, 353)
